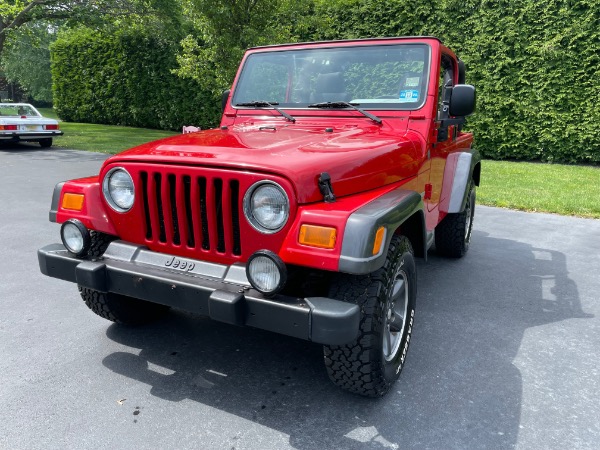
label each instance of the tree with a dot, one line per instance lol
(26, 59)
(14, 14)
(224, 29)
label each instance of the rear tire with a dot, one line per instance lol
(45, 143)
(372, 363)
(453, 234)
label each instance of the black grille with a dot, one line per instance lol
(199, 212)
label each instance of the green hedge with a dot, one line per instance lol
(124, 78)
(536, 66)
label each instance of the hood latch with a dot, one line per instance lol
(326, 188)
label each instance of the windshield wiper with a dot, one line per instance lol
(375, 119)
(265, 104)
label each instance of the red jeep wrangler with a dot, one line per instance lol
(336, 163)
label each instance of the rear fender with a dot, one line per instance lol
(461, 168)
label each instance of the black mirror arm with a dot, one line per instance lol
(445, 123)
(455, 121)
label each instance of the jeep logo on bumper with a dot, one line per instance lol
(181, 265)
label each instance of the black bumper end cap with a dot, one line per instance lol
(92, 275)
(228, 307)
(56, 262)
(333, 322)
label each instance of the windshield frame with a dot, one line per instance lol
(382, 106)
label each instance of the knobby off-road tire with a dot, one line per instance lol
(99, 243)
(387, 297)
(117, 308)
(453, 234)
(120, 308)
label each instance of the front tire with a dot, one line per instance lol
(387, 297)
(115, 307)
(99, 243)
(120, 308)
(453, 234)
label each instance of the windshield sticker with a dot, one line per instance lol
(412, 82)
(409, 96)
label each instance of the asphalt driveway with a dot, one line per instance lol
(505, 350)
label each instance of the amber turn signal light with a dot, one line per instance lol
(378, 240)
(316, 236)
(73, 201)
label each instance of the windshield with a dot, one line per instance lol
(16, 110)
(372, 77)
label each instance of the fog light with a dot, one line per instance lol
(75, 237)
(266, 272)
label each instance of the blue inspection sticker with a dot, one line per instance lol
(409, 96)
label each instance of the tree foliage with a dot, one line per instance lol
(16, 13)
(224, 29)
(26, 60)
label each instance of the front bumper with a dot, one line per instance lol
(220, 292)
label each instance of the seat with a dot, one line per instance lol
(330, 87)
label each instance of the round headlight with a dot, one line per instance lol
(75, 237)
(266, 272)
(266, 206)
(118, 189)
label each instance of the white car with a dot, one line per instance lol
(22, 122)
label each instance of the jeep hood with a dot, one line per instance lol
(358, 158)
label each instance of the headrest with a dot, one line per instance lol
(330, 82)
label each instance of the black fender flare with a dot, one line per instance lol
(55, 201)
(461, 168)
(389, 211)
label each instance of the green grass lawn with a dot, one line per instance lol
(553, 188)
(102, 138)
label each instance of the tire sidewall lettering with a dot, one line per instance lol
(406, 263)
(406, 342)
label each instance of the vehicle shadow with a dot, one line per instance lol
(23, 147)
(33, 151)
(459, 389)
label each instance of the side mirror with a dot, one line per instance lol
(462, 102)
(224, 98)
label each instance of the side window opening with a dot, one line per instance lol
(446, 82)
